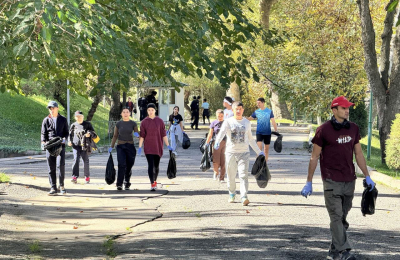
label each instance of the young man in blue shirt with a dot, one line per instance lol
(264, 118)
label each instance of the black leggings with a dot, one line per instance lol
(153, 161)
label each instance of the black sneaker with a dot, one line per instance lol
(119, 187)
(333, 255)
(52, 192)
(346, 255)
(63, 190)
(127, 186)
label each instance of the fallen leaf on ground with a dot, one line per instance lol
(279, 203)
(58, 208)
(31, 174)
(81, 211)
(64, 221)
(75, 227)
(247, 211)
(27, 187)
(125, 208)
(34, 178)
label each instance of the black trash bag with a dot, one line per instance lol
(261, 172)
(186, 141)
(205, 163)
(368, 200)
(110, 171)
(54, 146)
(171, 170)
(202, 143)
(278, 142)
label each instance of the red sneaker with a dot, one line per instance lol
(87, 180)
(154, 186)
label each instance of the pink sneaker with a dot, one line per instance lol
(87, 180)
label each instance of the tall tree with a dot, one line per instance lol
(383, 78)
(279, 106)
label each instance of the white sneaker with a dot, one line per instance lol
(215, 176)
(245, 201)
(222, 181)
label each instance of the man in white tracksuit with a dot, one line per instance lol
(237, 154)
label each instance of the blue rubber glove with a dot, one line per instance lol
(170, 148)
(262, 153)
(63, 141)
(216, 146)
(207, 145)
(140, 151)
(307, 190)
(168, 132)
(110, 149)
(370, 182)
(136, 134)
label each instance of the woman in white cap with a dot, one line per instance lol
(77, 132)
(228, 112)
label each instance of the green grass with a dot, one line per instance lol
(108, 244)
(4, 178)
(375, 161)
(21, 119)
(35, 247)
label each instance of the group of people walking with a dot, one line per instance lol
(195, 112)
(335, 143)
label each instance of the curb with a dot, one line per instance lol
(380, 177)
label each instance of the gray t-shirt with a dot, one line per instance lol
(124, 132)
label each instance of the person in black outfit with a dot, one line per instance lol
(194, 107)
(152, 99)
(78, 130)
(192, 110)
(55, 125)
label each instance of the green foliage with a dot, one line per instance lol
(4, 178)
(359, 115)
(375, 160)
(123, 39)
(35, 247)
(393, 145)
(21, 119)
(108, 244)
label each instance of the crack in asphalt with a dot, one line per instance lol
(115, 237)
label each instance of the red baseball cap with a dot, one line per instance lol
(341, 101)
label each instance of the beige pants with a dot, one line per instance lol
(338, 202)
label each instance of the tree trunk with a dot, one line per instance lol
(93, 107)
(116, 106)
(60, 93)
(265, 9)
(234, 91)
(123, 98)
(279, 107)
(387, 97)
(186, 100)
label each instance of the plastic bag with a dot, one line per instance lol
(202, 143)
(171, 170)
(368, 200)
(261, 172)
(186, 141)
(278, 142)
(110, 171)
(205, 163)
(54, 146)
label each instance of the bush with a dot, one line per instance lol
(393, 145)
(359, 116)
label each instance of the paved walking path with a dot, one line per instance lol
(188, 217)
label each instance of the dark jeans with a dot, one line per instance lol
(126, 154)
(78, 154)
(153, 161)
(58, 163)
(338, 202)
(196, 119)
(206, 114)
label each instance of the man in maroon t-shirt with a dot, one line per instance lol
(335, 142)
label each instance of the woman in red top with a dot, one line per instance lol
(152, 134)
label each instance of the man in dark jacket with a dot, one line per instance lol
(55, 125)
(194, 108)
